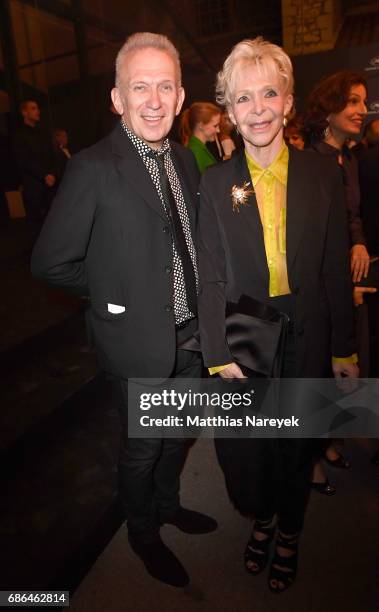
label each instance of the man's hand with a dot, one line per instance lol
(50, 180)
(358, 294)
(232, 371)
(359, 262)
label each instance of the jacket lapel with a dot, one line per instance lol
(298, 198)
(249, 215)
(133, 170)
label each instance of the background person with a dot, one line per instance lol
(199, 124)
(61, 153)
(370, 138)
(34, 156)
(293, 133)
(225, 137)
(335, 113)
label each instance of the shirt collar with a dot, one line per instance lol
(278, 168)
(143, 149)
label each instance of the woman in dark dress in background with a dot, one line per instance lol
(335, 114)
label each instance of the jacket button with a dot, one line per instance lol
(168, 269)
(168, 308)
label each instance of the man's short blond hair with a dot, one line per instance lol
(265, 56)
(146, 40)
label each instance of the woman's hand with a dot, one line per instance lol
(359, 262)
(358, 294)
(346, 375)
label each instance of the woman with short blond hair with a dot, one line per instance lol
(272, 226)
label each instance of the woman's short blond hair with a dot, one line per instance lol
(267, 57)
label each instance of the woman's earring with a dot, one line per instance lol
(236, 128)
(285, 121)
(326, 132)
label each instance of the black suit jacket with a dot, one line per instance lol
(369, 184)
(107, 236)
(232, 259)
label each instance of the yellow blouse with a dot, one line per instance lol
(270, 186)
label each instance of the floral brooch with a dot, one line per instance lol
(240, 195)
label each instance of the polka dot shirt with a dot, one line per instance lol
(148, 155)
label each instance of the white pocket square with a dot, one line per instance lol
(115, 308)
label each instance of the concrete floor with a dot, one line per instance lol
(338, 563)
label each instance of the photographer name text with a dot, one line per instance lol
(218, 421)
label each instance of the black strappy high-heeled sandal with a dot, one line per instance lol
(283, 569)
(257, 550)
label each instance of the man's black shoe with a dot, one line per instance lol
(193, 522)
(160, 562)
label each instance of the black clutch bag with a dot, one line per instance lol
(372, 279)
(256, 335)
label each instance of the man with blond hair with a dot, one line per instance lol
(121, 231)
